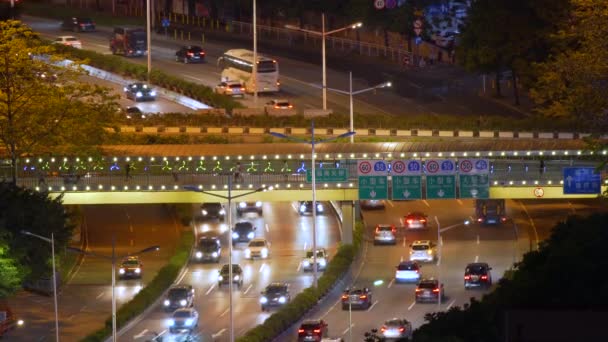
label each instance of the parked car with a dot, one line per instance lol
(69, 41)
(190, 54)
(78, 24)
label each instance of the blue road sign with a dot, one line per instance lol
(165, 22)
(581, 180)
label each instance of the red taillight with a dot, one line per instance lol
(362, 296)
(503, 219)
(436, 290)
(377, 230)
(317, 331)
(345, 297)
(410, 221)
(242, 89)
(190, 54)
(278, 83)
(202, 53)
(466, 277)
(418, 290)
(402, 329)
(394, 230)
(290, 106)
(480, 219)
(300, 331)
(276, 106)
(484, 277)
(383, 329)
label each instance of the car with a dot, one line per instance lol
(396, 329)
(140, 92)
(249, 207)
(190, 54)
(242, 232)
(278, 104)
(275, 294)
(305, 207)
(422, 250)
(179, 296)
(213, 210)
(312, 330)
(130, 267)
(208, 248)
(407, 271)
(356, 297)
(372, 204)
(231, 88)
(429, 290)
(183, 319)
(257, 248)
(444, 38)
(224, 275)
(308, 262)
(477, 275)
(133, 112)
(69, 41)
(385, 234)
(78, 24)
(415, 220)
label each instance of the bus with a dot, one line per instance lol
(237, 65)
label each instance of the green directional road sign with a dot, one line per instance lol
(475, 186)
(373, 187)
(440, 186)
(407, 187)
(328, 175)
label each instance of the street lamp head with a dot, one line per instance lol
(25, 232)
(346, 135)
(388, 84)
(149, 249)
(278, 135)
(356, 25)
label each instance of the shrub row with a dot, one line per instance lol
(291, 313)
(148, 295)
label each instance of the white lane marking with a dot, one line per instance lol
(141, 334)
(305, 244)
(531, 223)
(346, 330)
(478, 239)
(262, 267)
(225, 312)
(248, 288)
(450, 227)
(131, 242)
(452, 303)
(390, 203)
(131, 228)
(427, 203)
(404, 241)
(477, 258)
(99, 295)
(299, 267)
(218, 334)
(401, 258)
(459, 202)
(401, 222)
(390, 283)
(372, 306)
(411, 306)
(182, 277)
(194, 78)
(210, 289)
(267, 228)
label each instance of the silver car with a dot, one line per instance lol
(422, 250)
(183, 319)
(396, 329)
(385, 234)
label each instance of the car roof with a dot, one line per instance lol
(417, 213)
(384, 225)
(409, 262)
(184, 310)
(421, 242)
(277, 284)
(280, 100)
(311, 322)
(478, 264)
(131, 258)
(192, 47)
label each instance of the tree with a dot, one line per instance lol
(38, 115)
(10, 274)
(574, 82)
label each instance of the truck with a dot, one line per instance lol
(129, 41)
(490, 211)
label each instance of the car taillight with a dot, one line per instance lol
(466, 277)
(503, 219)
(383, 329)
(317, 331)
(435, 290)
(484, 277)
(480, 219)
(345, 297)
(276, 106)
(418, 290)
(410, 221)
(202, 53)
(422, 220)
(417, 271)
(394, 230)
(290, 106)
(362, 296)
(278, 83)
(402, 329)
(300, 331)
(242, 89)
(190, 54)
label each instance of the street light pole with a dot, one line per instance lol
(350, 105)
(323, 54)
(114, 287)
(149, 38)
(439, 246)
(255, 57)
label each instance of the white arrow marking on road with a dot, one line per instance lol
(391, 283)
(372, 306)
(141, 334)
(267, 227)
(411, 306)
(248, 288)
(225, 312)
(218, 334)
(452, 303)
(346, 330)
(210, 289)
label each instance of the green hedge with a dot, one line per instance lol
(146, 297)
(289, 314)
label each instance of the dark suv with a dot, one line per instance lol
(242, 232)
(208, 248)
(213, 210)
(356, 297)
(429, 290)
(190, 54)
(312, 330)
(78, 24)
(477, 275)
(275, 294)
(224, 275)
(181, 296)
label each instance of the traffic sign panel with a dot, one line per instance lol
(372, 168)
(328, 175)
(364, 167)
(474, 186)
(379, 4)
(407, 187)
(474, 166)
(581, 180)
(403, 167)
(373, 187)
(440, 186)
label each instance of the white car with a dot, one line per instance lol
(183, 319)
(257, 248)
(278, 104)
(422, 250)
(385, 234)
(69, 41)
(230, 88)
(308, 262)
(407, 271)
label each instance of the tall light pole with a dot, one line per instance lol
(228, 198)
(52, 242)
(255, 56)
(149, 37)
(323, 34)
(312, 142)
(352, 93)
(113, 258)
(439, 247)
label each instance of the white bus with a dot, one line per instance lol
(237, 65)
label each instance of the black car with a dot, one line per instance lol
(140, 92)
(213, 210)
(190, 54)
(181, 296)
(208, 248)
(78, 24)
(429, 290)
(477, 275)
(275, 294)
(134, 113)
(224, 275)
(356, 297)
(312, 330)
(242, 232)
(249, 207)
(305, 207)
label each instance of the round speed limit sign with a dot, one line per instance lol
(379, 4)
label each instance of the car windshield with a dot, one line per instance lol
(355, 291)
(243, 226)
(181, 314)
(207, 244)
(235, 86)
(267, 66)
(257, 244)
(285, 104)
(407, 267)
(195, 49)
(275, 289)
(416, 215)
(212, 206)
(130, 262)
(394, 322)
(178, 293)
(420, 247)
(319, 254)
(427, 285)
(476, 270)
(385, 228)
(235, 268)
(310, 326)
(85, 20)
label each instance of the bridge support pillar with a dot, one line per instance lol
(348, 221)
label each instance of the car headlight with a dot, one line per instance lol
(258, 204)
(263, 300)
(222, 212)
(183, 302)
(235, 235)
(320, 207)
(171, 322)
(138, 94)
(121, 271)
(214, 254)
(264, 252)
(125, 89)
(306, 263)
(138, 270)
(166, 302)
(152, 93)
(282, 299)
(250, 235)
(429, 252)
(204, 212)
(242, 205)
(248, 251)
(236, 277)
(199, 255)
(189, 321)
(322, 262)
(220, 278)
(302, 208)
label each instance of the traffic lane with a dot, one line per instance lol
(289, 234)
